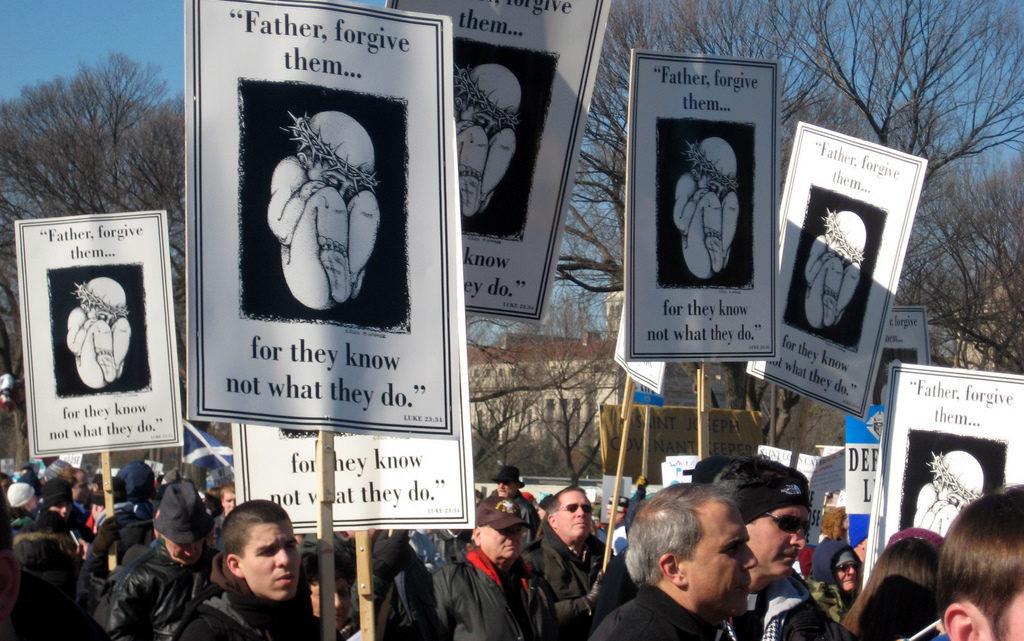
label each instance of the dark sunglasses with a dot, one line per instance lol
(845, 567)
(572, 507)
(789, 523)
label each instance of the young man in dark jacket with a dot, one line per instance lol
(493, 595)
(152, 592)
(255, 592)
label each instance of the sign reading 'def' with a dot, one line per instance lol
(97, 319)
(524, 74)
(379, 481)
(702, 167)
(848, 208)
(325, 282)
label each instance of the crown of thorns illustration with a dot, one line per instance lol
(311, 143)
(87, 298)
(701, 164)
(944, 478)
(467, 90)
(837, 240)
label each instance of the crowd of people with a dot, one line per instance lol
(725, 558)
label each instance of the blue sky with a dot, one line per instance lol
(42, 39)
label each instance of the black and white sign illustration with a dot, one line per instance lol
(838, 251)
(524, 74)
(325, 274)
(950, 436)
(101, 346)
(323, 220)
(701, 175)
(905, 341)
(848, 206)
(705, 203)
(499, 120)
(98, 333)
(379, 481)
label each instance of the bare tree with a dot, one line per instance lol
(105, 140)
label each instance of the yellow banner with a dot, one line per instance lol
(673, 430)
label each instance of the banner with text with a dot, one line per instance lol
(701, 207)
(826, 475)
(905, 341)
(97, 327)
(325, 277)
(949, 437)
(848, 207)
(379, 481)
(650, 374)
(673, 430)
(524, 75)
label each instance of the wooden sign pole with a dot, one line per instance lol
(325, 463)
(627, 413)
(108, 503)
(364, 577)
(703, 416)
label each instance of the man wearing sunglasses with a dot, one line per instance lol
(569, 556)
(774, 503)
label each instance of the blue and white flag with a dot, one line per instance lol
(205, 451)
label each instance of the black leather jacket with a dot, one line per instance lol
(150, 596)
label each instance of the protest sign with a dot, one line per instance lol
(825, 475)
(776, 454)
(848, 208)
(678, 468)
(524, 74)
(949, 436)
(650, 374)
(97, 326)
(702, 176)
(379, 481)
(673, 430)
(325, 282)
(906, 341)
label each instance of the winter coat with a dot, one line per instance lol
(475, 604)
(570, 577)
(151, 594)
(823, 585)
(654, 616)
(802, 619)
(44, 613)
(50, 556)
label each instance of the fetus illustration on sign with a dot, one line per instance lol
(323, 209)
(487, 100)
(706, 209)
(833, 268)
(957, 479)
(98, 331)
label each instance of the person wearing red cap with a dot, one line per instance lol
(493, 595)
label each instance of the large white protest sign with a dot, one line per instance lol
(826, 475)
(701, 207)
(524, 74)
(848, 208)
(379, 481)
(906, 341)
(651, 374)
(97, 325)
(862, 454)
(325, 282)
(949, 436)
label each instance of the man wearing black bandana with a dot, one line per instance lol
(256, 591)
(774, 503)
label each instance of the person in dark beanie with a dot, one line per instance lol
(509, 485)
(152, 592)
(28, 475)
(256, 592)
(140, 488)
(774, 503)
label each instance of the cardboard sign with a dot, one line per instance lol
(379, 481)
(325, 281)
(651, 374)
(949, 436)
(848, 208)
(97, 326)
(673, 430)
(524, 74)
(905, 341)
(701, 207)
(825, 475)
(678, 468)
(776, 454)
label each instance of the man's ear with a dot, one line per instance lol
(233, 563)
(965, 622)
(674, 571)
(10, 583)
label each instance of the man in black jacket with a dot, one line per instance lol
(688, 551)
(256, 591)
(493, 595)
(152, 592)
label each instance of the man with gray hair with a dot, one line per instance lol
(688, 552)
